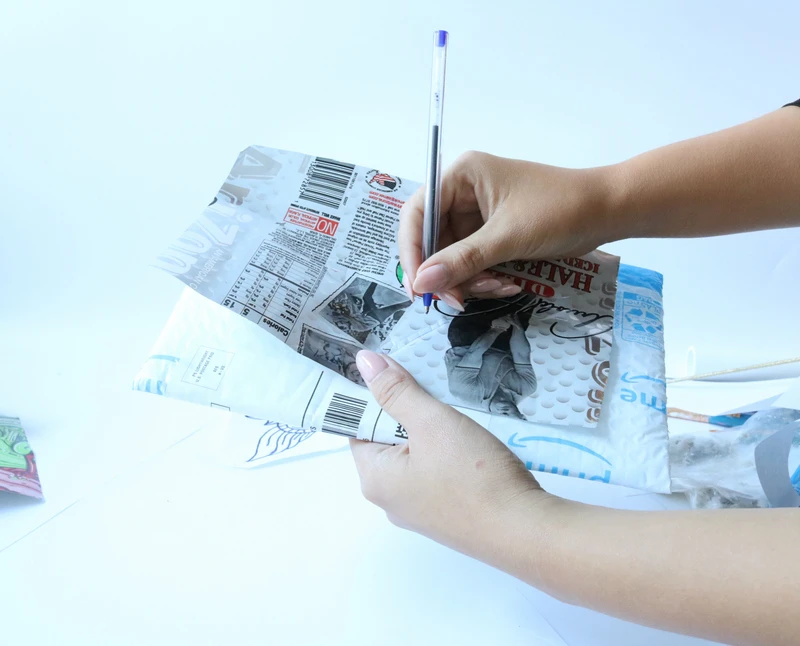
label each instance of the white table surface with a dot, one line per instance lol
(118, 123)
(145, 537)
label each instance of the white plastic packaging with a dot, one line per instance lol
(718, 469)
(214, 357)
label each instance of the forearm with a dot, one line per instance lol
(729, 575)
(744, 178)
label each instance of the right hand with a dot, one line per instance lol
(495, 210)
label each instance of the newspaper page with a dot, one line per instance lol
(305, 248)
(541, 356)
(257, 376)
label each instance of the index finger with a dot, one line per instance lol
(412, 217)
(409, 236)
(458, 190)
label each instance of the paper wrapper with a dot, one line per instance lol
(18, 472)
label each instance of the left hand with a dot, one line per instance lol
(453, 481)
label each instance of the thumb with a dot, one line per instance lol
(460, 261)
(400, 395)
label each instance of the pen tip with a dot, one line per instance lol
(427, 309)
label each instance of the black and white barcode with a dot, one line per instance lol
(326, 182)
(344, 415)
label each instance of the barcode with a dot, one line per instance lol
(344, 415)
(326, 182)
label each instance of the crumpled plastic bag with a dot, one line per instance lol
(717, 469)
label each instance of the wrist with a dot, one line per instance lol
(619, 216)
(531, 523)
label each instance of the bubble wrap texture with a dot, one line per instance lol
(628, 445)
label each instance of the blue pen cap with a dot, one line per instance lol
(441, 38)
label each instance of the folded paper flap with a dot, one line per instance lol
(791, 397)
(727, 398)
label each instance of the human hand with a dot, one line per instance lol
(496, 209)
(453, 481)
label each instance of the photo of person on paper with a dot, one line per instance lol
(333, 353)
(489, 363)
(366, 311)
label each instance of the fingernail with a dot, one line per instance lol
(451, 300)
(508, 290)
(407, 287)
(485, 285)
(430, 279)
(370, 364)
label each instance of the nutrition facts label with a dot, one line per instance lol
(273, 288)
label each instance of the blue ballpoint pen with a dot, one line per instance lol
(433, 187)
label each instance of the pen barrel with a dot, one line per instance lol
(433, 176)
(433, 179)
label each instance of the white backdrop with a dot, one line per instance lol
(118, 124)
(118, 121)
